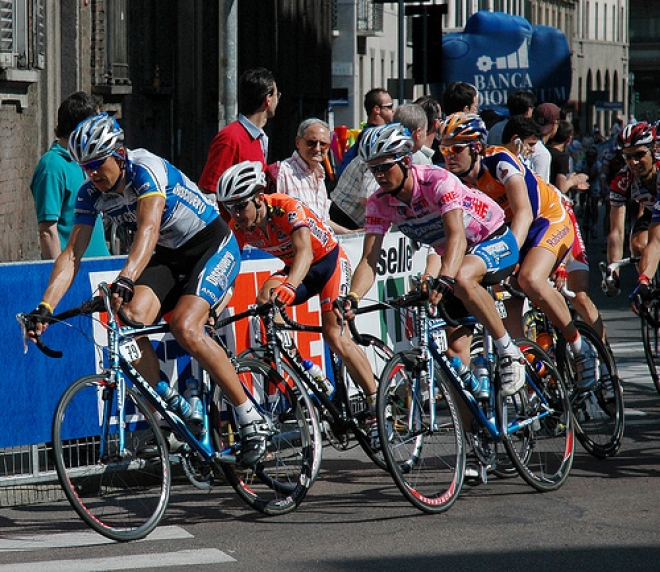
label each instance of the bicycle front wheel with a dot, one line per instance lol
(598, 413)
(651, 342)
(278, 483)
(119, 491)
(422, 438)
(539, 423)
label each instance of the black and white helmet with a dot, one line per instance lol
(241, 181)
(97, 137)
(388, 140)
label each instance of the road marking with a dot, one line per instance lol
(84, 538)
(129, 562)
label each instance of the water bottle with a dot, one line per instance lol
(319, 377)
(176, 402)
(192, 397)
(482, 374)
(470, 382)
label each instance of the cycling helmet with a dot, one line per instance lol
(635, 134)
(241, 181)
(97, 137)
(464, 126)
(388, 140)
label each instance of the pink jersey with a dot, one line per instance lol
(436, 191)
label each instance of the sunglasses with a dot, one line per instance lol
(454, 149)
(237, 207)
(93, 165)
(312, 144)
(387, 105)
(636, 156)
(382, 168)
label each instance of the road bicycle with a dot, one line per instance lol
(338, 410)
(599, 412)
(424, 438)
(649, 315)
(113, 461)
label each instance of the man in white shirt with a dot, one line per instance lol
(547, 116)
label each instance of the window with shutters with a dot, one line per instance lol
(22, 34)
(109, 53)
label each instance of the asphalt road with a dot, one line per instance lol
(604, 518)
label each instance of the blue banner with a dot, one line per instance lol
(500, 53)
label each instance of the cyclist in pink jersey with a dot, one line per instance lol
(466, 227)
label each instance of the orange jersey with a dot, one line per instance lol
(497, 165)
(285, 216)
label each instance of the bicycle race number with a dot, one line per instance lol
(130, 350)
(440, 339)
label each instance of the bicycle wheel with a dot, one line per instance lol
(378, 354)
(651, 342)
(120, 493)
(599, 413)
(305, 402)
(427, 462)
(539, 423)
(279, 482)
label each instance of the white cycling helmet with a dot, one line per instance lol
(97, 137)
(241, 181)
(388, 140)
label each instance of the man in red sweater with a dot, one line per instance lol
(243, 139)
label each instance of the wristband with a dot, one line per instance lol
(643, 279)
(352, 294)
(46, 305)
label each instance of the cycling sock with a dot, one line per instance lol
(576, 343)
(247, 413)
(505, 346)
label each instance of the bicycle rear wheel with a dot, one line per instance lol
(279, 482)
(599, 413)
(120, 493)
(378, 354)
(651, 342)
(539, 422)
(427, 462)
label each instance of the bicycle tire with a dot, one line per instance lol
(427, 464)
(599, 413)
(306, 403)
(539, 422)
(378, 354)
(123, 495)
(651, 343)
(278, 483)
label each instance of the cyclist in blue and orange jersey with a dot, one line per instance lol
(314, 262)
(574, 269)
(184, 259)
(464, 226)
(636, 184)
(533, 209)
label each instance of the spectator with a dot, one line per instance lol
(56, 180)
(379, 107)
(243, 139)
(547, 116)
(460, 96)
(413, 118)
(302, 176)
(349, 198)
(561, 174)
(519, 103)
(433, 116)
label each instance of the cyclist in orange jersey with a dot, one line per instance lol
(538, 220)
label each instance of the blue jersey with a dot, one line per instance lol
(187, 210)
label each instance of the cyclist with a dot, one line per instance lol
(538, 220)
(314, 262)
(522, 136)
(635, 184)
(184, 258)
(463, 225)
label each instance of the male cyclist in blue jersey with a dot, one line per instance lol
(184, 259)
